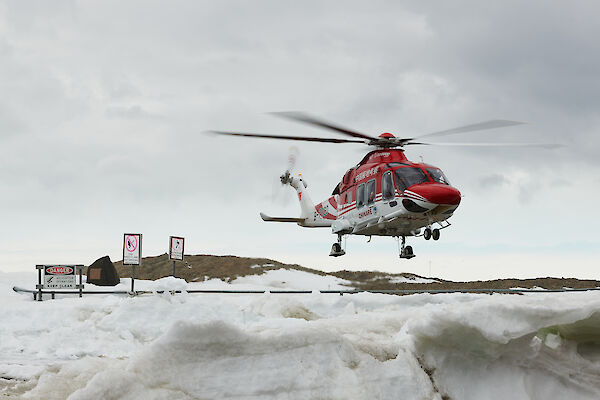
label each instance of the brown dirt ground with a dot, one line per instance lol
(201, 267)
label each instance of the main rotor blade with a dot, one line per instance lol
(307, 119)
(542, 145)
(496, 123)
(306, 139)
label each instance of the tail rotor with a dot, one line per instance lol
(279, 194)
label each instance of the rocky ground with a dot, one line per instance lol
(197, 268)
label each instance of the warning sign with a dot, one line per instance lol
(176, 248)
(132, 248)
(59, 277)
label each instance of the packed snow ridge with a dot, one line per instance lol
(322, 346)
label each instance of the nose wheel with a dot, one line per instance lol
(406, 251)
(428, 233)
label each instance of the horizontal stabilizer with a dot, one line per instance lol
(267, 218)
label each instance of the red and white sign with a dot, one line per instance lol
(176, 245)
(60, 270)
(59, 277)
(132, 248)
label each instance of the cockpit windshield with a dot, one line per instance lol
(437, 175)
(408, 176)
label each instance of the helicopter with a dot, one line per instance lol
(385, 194)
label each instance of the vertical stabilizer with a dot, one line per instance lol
(318, 216)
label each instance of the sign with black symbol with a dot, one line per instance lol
(132, 248)
(176, 245)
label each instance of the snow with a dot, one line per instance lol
(401, 279)
(297, 346)
(292, 279)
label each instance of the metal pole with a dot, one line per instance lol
(80, 280)
(132, 277)
(39, 285)
(174, 269)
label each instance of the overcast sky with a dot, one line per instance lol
(104, 105)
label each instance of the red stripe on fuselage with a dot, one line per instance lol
(323, 213)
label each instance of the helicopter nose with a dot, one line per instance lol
(437, 193)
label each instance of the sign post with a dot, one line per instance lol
(80, 285)
(176, 246)
(39, 285)
(132, 253)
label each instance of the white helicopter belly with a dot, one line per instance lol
(389, 217)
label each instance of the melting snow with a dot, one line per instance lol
(267, 346)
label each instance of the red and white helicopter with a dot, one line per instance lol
(385, 194)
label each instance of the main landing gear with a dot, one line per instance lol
(428, 233)
(336, 248)
(406, 251)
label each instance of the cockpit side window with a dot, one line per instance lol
(408, 176)
(437, 175)
(387, 186)
(371, 191)
(360, 195)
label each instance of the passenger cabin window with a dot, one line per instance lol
(408, 176)
(387, 186)
(360, 195)
(437, 175)
(350, 196)
(371, 191)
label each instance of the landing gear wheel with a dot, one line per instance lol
(427, 234)
(336, 249)
(435, 234)
(406, 251)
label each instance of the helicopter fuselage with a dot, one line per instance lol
(386, 195)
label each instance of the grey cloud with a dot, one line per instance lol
(90, 81)
(123, 90)
(10, 124)
(131, 112)
(492, 181)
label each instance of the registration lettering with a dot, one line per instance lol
(367, 173)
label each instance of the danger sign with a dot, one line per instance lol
(176, 245)
(59, 277)
(132, 248)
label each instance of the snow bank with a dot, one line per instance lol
(541, 346)
(362, 346)
(218, 360)
(293, 279)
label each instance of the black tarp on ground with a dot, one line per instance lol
(103, 272)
